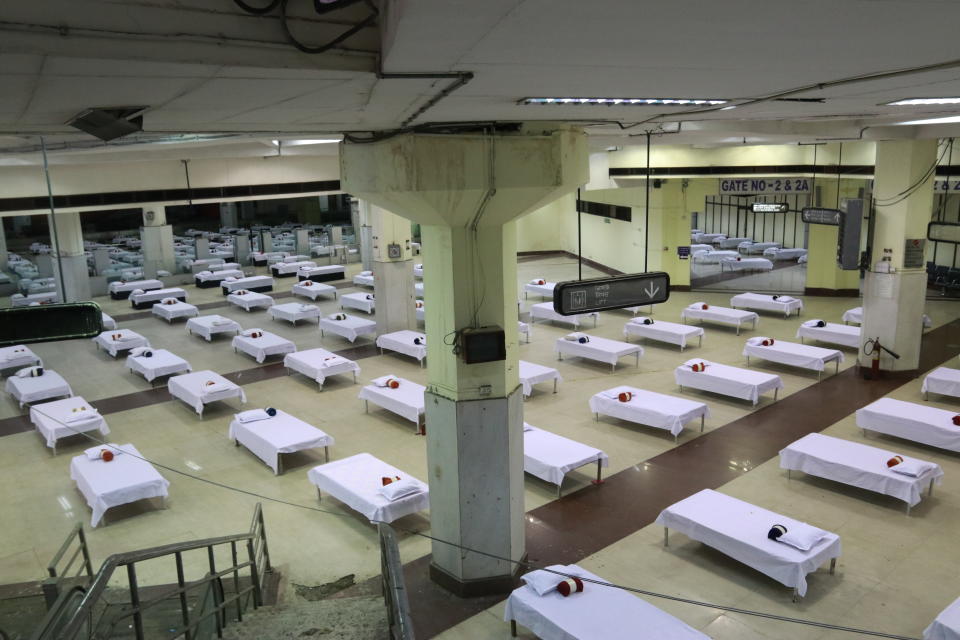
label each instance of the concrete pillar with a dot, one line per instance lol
(893, 302)
(229, 217)
(68, 261)
(465, 191)
(365, 235)
(302, 241)
(393, 287)
(3, 246)
(201, 248)
(157, 238)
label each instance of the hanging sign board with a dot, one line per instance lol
(616, 292)
(816, 215)
(769, 207)
(944, 232)
(743, 186)
(942, 184)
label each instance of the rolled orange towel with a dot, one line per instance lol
(704, 306)
(894, 461)
(106, 455)
(570, 585)
(625, 396)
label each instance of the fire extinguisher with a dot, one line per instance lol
(873, 348)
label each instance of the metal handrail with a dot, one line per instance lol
(55, 612)
(394, 586)
(56, 573)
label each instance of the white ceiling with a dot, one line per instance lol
(205, 67)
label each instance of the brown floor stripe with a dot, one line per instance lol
(584, 522)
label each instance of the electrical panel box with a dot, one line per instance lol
(486, 344)
(848, 238)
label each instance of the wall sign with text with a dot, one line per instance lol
(743, 186)
(941, 184)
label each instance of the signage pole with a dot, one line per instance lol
(579, 240)
(646, 212)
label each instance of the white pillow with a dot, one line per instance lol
(756, 341)
(137, 351)
(205, 273)
(812, 323)
(136, 292)
(249, 332)
(366, 273)
(382, 380)
(690, 363)
(169, 301)
(696, 305)
(543, 582)
(912, 468)
(253, 415)
(27, 372)
(399, 489)
(216, 387)
(574, 337)
(126, 337)
(93, 453)
(802, 536)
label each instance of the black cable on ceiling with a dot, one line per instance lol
(320, 8)
(258, 11)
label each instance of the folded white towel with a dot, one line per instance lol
(690, 363)
(785, 299)
(128, 337)
(230, 279)
(306, 308)
(26, 372)
(614, 394)
(333, 360)
(93, 453)
(252, 415)
(204, 273)
(169, 301)
(399, 489)
(216, 387)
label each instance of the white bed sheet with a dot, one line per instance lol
(269, 344)
(776, 253)
(322, 271)
(550, 457)
(171, 312)
(18, 356)
(156, 295)
(282, 433)
(189, 387)
(363, 281)
(599, 612)
(532, 373)
(544, 290)
(758, 247)
(107, 321)
(402, 342)
(119, 286)
(320, 364)
(294, 312)
(735, 382)
(218, 276)
(649, 408)
(732, 243)
(713, 257)
(251, 300)
(599, 349)
(661, 331)
(129, 340)
(406, 400)
(125, 479)
(856, 464)
(350, 328)
(251, 282)
(50, 419)
(793, 354)
(942, 380)
(855, 316)
(721, 315)
(313, 290)
(739, 529)
(946, 626)
(355, 481)
(204, 326)
(291, 268)
(911, 421)
(523, 328)
(161, 363)
(746, 264)
(832, 333)
(544, 311)
(764, 302)
(358, 301)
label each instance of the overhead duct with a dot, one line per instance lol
(109, 124)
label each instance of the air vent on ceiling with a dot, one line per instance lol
(109, 123)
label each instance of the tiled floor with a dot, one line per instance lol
(880, 543)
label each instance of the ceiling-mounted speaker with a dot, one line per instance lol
(109, 123)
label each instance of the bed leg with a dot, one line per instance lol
(613, 367)
(554, 385)
(513, 628)
(833, 566)
(702, 417)
(775, 392)
(796, 596)
(788, 474)
(319, 495)
(666, 537)
(597, 417)
(366, 406)
(930, 489)
(326, 453)
(560, 489)
(599, 479)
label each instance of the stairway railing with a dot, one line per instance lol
(394, 586)
(58, 574)
(81, 625)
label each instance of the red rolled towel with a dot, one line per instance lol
(704, 306)
(956, 420)
(106, 455)
(698, 367)
(570, 585)
(894, 461)
(625, 396)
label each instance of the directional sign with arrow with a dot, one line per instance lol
(616, 292)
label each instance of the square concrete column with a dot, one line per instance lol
(393, 286)
(68, 262)
(157, 238)
(229, 217)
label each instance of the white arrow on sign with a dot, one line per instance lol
(651, 290)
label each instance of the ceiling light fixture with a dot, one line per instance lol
(624, 101)
(944, 120)
(919, 102)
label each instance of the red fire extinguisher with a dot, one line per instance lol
(873, 348)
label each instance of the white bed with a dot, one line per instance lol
(18, 356)
(542, 290)
(757, 247)
(739, 529)
(119, 290)
(524, 329)
(735, 382)
(777, 253)
(700, 247)
(418, 289)
(733, 243)
(418, 270)
(147, 298)
(250, 300)
(544, 311)
(313, 290)
(406, 400)
(709, 238)
(360, 301)
(20, 300)
(793, 354)
(363, 279)
(320, 364)
(745, 264)
(268, 344)
(65, 418)
(161, 363)
(713, 257)
(917, 422)
(420, 311)
(661, 331)
(405, 342)
(290, 269)
(649, 408)
(293, 312)
(125, 479)
(210, 279)
(764, 302)
(351, 327)
(261, 259)
(600, 612)
(171, 312)
(323, 274)
(107, 321)
(193, 389)
(251, 283)
(598, 349)
(858, 465)
(356, 482)
(946, 626)
(118, 340)
(282, 433)
(29, 390)
(942, 380)
(209, 326)
(550, 457)
(830, 333)
(720, 315)
(532, 373)
(855, 316)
